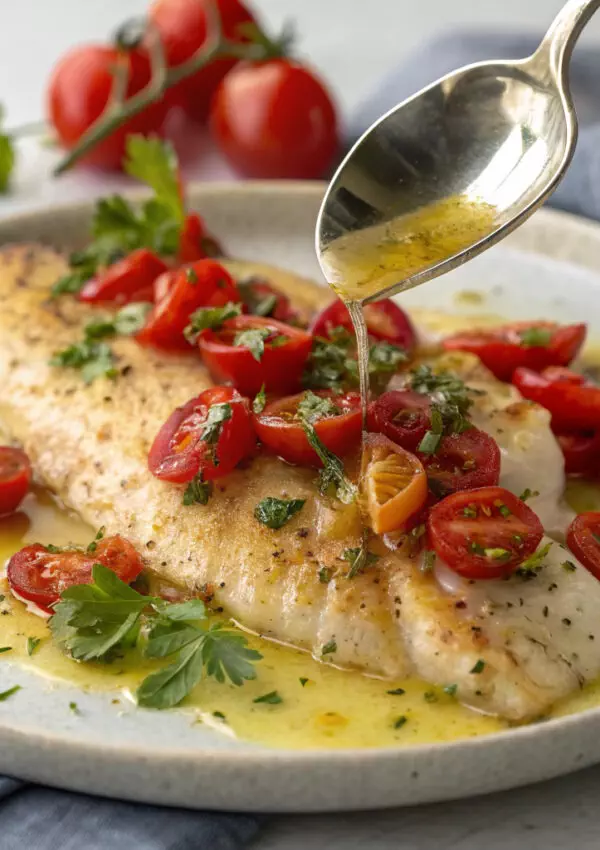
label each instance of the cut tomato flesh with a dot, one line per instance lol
(394, 483)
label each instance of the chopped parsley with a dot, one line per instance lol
(430, 696)
(272, 698)
(303, 680)
(254, 340)
(451, 402)
(332, 476)
(451, 690)
(5, 648)
(396, 692)
(312, 408)
(528, 494)
(4, 695)
(191, 276)
(74, 708)
(210, 317)
(274, 513)
(359, 558)
(400, 721)
(256, 305)
(260, 401)
(478, 667)
(329, 648)
(568, 566)
(32, 644)
(538, 337)
(91, 547)
(325, 575)
(98, 620)
(218, 415)
(198, 491)
(531, 566)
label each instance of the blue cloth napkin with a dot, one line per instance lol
(579, 192)
(40, 818)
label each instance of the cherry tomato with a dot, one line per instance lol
(205, 283)
(394, 483)
(181, 25)
(180, 451)
(583, 539)
(196, 243)
(15, 478)
(40, 576)
(384, 319)
(80, 88)
(402, 415)
(279, 428)
(129, 279)
(573, 403)
(262, 299)
(279, 367)
(534, 345)
(581, 451)
(275, 119)
(463, 462)
(484, 533)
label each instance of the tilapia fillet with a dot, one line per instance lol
(90, 444)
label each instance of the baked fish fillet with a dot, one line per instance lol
(89, 445)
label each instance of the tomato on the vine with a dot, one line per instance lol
(275, 119)
(483, 533)
(210, 434)
(80, 88)
(181, 25)
(251, 352)
(384, 320)
(279, 426)
(40, 576)
(127, 280)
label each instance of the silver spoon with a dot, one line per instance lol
(503, 133)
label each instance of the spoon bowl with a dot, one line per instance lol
(483, 147)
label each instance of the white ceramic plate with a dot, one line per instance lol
(550, 268)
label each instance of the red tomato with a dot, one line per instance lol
(164, 284)
(279, 367)
(129, 279)
(15, 478)
(573, 403)
(80, 88)
(402, 415)
(463, 462)
(583, 539)
(179, 451)
(504, 349)
(275, 119)
(40, 576)
(279, 428)
(484, 533)
(196, 243)
(181, 25)
(581, 451)
(384, 319)
(205, 283)
(262, 299)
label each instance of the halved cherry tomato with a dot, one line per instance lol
(384, 319)
(40, 576)
(394, 484)
(583, 539)
(280, 429)
(262, 299)
(279, 367)
(196, 243)
(204, 283)
(402, 415)
(129, 279)
(463, 462)
(180, 451)
(164, 284)
(484, 533)
(581, 451)
(15, 478)
(573, 403)
(534, 345)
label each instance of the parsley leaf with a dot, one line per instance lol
(329, 648)
(9, 692)
(451, 402)
(260, 400)
(478, 667)
(274, 513)
(197, 491)
(528, 494)
(7, 157)
(210, 317)
(94, 359)
(254, 340)
(333, 365)
(154, 162)
(531, 566)
(131, 318)
(358, 558)
(332, 475)
(218, 414)
(272, 698)
(257, 306)
(537, 337)
(312, 407)
(32, 644)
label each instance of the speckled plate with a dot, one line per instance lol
(550, 267)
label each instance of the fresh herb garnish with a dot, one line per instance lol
(329, 648)
(7, 157)
(274, 513)
(429, 557)
(32, 644)
(451, 690)
(254, 340)
(272, 698)
(478, 667)
(218, 415)
(430, 696)
(260, 401)
(91, 547)
(536, 337)
(568, 566)
(359, 558)
(5, 648)
(531, 566)
(210, 317)
(325, 575)
(451, 402)
(4, 695)
(198, 491)
(400, 721)
(96, 621)
(93, 359)
(256, 306)
(312, 408)
(498, 554)
(74, 708)
(303, 680)
(528, 494)
(396, 692)
(332, 476)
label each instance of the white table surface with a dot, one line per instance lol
(353, 42)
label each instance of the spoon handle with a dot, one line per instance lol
(558, 43)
